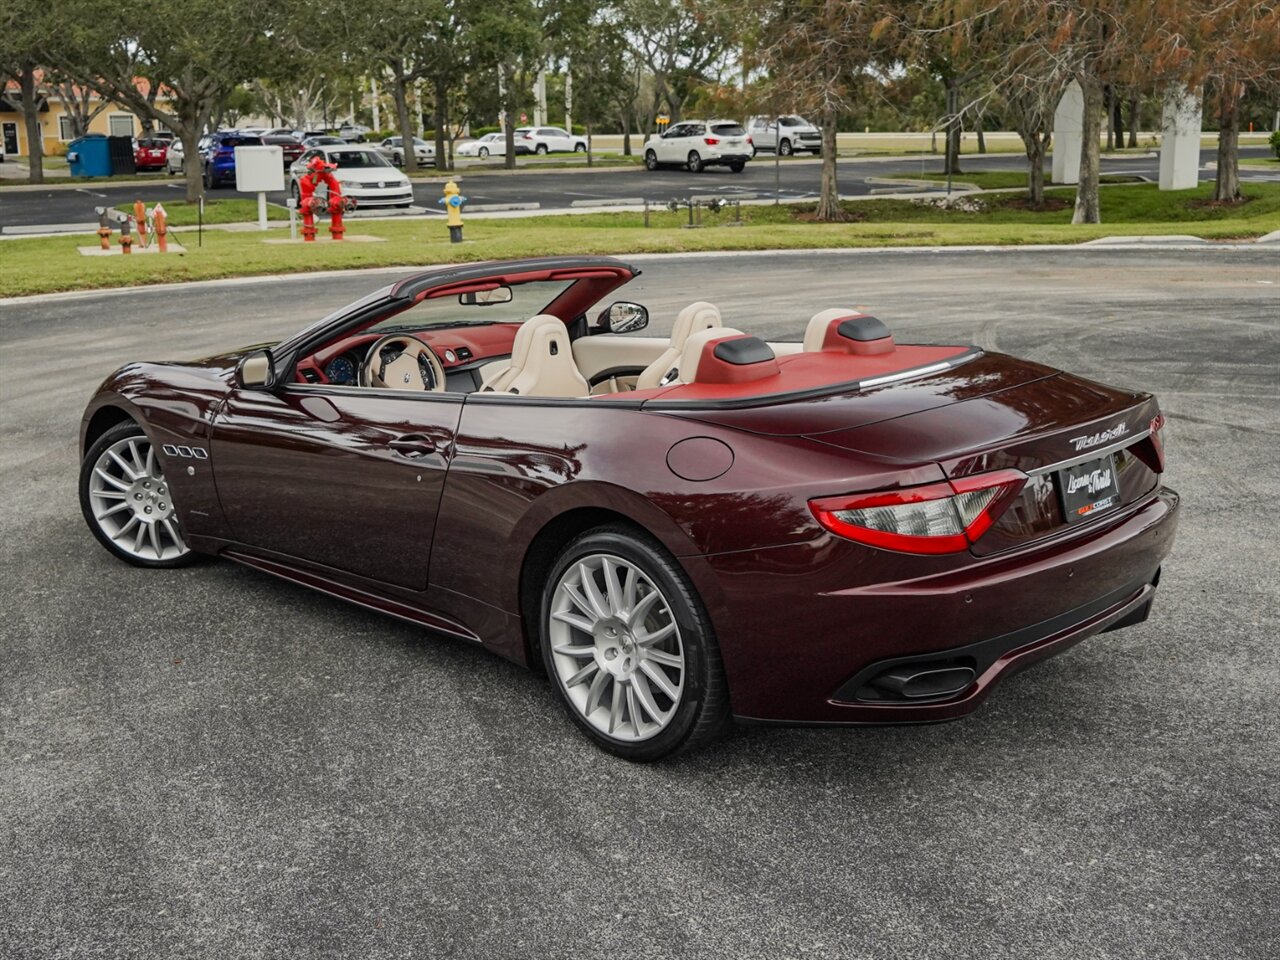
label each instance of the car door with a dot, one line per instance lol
(669, 146)
(346, 477)
(563, 142)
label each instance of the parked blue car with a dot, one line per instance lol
(219, 157)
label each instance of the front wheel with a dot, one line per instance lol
(127, 502)
(650, 160)
(629, 648)
(695, 162)
(784, 148)
(579, 148)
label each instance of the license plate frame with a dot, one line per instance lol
(1088, 488)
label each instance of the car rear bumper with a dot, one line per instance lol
(727, 158)
(801, 646)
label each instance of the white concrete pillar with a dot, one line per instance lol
(568, 102)
(1180, 140)
(373, 102)
(1068, 132)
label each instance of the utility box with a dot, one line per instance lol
(259, 169)
(89, 156)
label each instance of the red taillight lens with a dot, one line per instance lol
(936, 518)
(1157, 441)
(749, 140)
(710, 141)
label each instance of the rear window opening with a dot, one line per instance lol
(728, 129)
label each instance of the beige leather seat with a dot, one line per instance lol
(685, 370)
(816, 332)
(541, 363)
(695, 317)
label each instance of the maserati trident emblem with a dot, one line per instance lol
(1102, 436)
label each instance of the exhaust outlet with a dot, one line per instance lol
(925, 682)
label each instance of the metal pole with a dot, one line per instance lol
(777, 163)
(200, 224)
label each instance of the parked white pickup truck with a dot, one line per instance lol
(788, 134)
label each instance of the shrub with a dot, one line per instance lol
(1275, 143)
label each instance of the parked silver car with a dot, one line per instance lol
(788, 134)
(423, 152)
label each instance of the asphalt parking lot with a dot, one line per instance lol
(62, 209)
(212, 763)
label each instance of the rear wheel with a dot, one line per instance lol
(541, 150)
(397, 159)
(629, 648)
(126, 500)
(650, 160)
(695, 162)
(737, 167)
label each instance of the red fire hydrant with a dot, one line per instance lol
(320, 171)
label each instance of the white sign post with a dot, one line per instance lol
(260, 170)
(1180, 140)
(1068, 135)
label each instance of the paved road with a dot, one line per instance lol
(211, 763)
(51, 210)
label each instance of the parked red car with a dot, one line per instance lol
(839, 529)
(150, 154)
(291, 146)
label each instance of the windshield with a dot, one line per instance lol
(728, 129)
(347, 159)
(240, 142)
(527, 300)
(792, 122)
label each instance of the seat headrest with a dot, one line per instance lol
(697, 316)
(847, 331)
(527, 333)
(691, 353)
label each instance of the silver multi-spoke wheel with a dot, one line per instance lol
(130, 502)
(616, 647)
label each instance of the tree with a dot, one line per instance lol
(817, 53)
(506, 37)
(79, 103)
(176, 64)
(26, 28)
(683, 45)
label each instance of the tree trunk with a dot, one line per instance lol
(190, 135)
(1226, 187)
(400, 92)
(982, 140)
(441, 91)
(1117, 118)
(626, 132)
(829, 208)
(1087, 209)
(952, 163)
(509, 117)
(1135, 118)
(1035, 143)
(30, 108)
(1107, 101)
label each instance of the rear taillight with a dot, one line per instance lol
(710, 141)
(936, 518)
(749, 140)
(1157, 442)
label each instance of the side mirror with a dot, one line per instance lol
(256, 370)
(624, 317)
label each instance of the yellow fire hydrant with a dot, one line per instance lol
(453, 201)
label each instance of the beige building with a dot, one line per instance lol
(56, 125)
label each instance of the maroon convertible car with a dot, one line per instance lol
(680, 531)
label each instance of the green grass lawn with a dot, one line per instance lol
(184, 214)
(1272, 162)
(998, 179)
(40, 265)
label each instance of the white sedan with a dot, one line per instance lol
(365, 174)
(423, 152)
(490, 145)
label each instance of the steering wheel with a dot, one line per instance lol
(402, 372)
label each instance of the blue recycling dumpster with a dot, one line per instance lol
(89, 156)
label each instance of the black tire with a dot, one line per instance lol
(483, 153)
(541, 150)
(784, 148)
(579, 148)
(703, 713)
(397, 159)
(650, 160)
(121, 431)
(695, 162)
(737, 167)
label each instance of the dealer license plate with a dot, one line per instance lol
(1088, 488)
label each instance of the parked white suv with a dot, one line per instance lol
(542, 140)
(788, 135)
(697, 144)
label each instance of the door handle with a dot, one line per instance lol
(413, 446)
